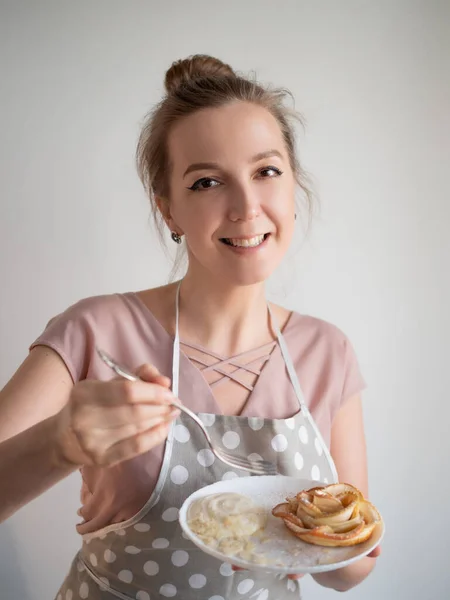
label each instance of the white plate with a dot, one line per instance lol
(286, 553)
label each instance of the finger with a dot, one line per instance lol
(139, 444)
(122, 391)
(375, 552)
(150, 373)
(112, 417)
(103, 439)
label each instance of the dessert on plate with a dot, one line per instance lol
(332, 515)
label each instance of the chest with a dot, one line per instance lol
(231, 380)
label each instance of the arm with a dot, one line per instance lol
(30, 462)
(348, 448)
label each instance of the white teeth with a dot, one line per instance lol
(248, 243)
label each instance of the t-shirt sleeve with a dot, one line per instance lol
(70, 335)
(353, 381)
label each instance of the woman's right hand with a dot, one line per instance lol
(107, 422)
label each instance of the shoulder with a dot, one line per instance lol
(315, 330)
(94, 309)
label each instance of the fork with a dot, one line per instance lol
(257, 467)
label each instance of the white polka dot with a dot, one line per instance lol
(69, 595)
(256, 423)
(263, 595)
(231, 440)
(229, 475)
(84, 590)
(206, 457)
(290, 423)
(179, 475)
(216, 598)
(109, 556)
(181, 434)
(125, 576)
(279, 443)
(151, 568)
(160, 543)
(291, 586)
(170, 514)
(141, 595)
(80, 566)
(122, 532)
(132, 550)
(142, 527)
(168, 590)
(318, 445)
(93, 560)
(105, 582)
(208, 419)
(315, 473)
(303, 434)
(299, 462)
(197, 581)
(180, 558)
(245, 586)
(254, 456)
(226, 569)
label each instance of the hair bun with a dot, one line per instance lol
(195, 67)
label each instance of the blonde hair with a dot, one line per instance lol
(193, 84)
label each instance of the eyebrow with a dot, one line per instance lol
(211, 165)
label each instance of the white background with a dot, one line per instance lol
(372, 79)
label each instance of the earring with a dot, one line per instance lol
(176, 237)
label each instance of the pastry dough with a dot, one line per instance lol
(333, 515)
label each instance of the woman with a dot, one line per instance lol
(217, 158)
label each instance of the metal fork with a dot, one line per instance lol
(257, 467)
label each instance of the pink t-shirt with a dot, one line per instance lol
(122, 325)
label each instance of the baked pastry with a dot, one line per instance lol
(333, 515)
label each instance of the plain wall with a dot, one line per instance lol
(372, 79)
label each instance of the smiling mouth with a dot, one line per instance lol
(245, 242)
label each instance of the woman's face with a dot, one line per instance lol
(231, 192)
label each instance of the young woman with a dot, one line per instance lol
(217, 158)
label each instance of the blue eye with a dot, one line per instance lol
(205, 183)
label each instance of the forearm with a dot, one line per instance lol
(346, 578)
(30, 464)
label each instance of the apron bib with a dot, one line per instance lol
(147, 557)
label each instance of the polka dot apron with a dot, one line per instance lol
(147, 557)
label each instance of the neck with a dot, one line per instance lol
(225, 319)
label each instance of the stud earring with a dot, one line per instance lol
(176, 237)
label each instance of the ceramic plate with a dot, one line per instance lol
(285, 552)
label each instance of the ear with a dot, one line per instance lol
(164, 208)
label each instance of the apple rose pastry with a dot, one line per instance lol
(334, 515)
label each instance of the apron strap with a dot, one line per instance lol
(176, 347)
(288, 361)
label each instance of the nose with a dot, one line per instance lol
(244, 203)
